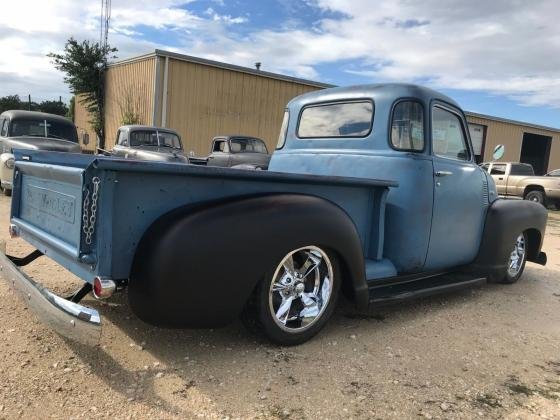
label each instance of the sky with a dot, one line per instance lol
(499, 57)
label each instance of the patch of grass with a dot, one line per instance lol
(488, 400)
(519, 388)
(550, 392)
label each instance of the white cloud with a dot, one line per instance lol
(509, 48)
(505, 47)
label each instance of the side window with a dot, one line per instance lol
(121, 138)
(407, 126)
(219, 146)
(448, 136)
(498, 169)
(283, 130)
(4, 127)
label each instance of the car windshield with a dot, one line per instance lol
(43, 128)
(150, 138)
(247, 145)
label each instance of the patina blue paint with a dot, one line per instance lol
(428, 226)
(133, 194)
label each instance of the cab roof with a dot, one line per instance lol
(22, 114)
(382, 92)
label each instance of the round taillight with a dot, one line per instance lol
(103, 288)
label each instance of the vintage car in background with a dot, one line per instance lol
(35, 131)
(242, 152)
(555, 172)
(144, 142)
(519, 180)
(382, 206)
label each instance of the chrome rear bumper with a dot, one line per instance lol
(69, 319)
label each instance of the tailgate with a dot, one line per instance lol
(47, 206)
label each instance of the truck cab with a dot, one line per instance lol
(413, 135)
(32, 130)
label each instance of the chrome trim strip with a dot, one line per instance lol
(69, 319)
(47, 238)
(67, 174)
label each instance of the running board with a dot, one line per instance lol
(382, 295)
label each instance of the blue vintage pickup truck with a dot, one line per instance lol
(372, 192)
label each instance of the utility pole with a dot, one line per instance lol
(29, 101)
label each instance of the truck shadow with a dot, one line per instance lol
(167, 369)
(173, 370)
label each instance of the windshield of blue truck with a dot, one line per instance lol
(247, 145)
(43, 128)
(155, 139)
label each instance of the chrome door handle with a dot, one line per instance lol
(443, 173)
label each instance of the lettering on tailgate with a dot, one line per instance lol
(54, 203)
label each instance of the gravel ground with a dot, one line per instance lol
(490, 352)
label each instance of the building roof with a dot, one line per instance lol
(508, 121)
(219, 64)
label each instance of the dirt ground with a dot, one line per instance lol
(490, 352)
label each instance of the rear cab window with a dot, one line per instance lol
(336, 120)
(517, 169)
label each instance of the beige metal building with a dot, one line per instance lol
(199, 98)
(202, 98)
(524, 142)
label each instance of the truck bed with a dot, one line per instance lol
(47, 208)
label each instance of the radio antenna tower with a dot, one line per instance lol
(104, 24)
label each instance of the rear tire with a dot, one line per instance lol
(536, 196)
(296, 298)
(516, 261)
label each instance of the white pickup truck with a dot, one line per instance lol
(519, 180)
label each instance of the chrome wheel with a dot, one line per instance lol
(301, 289)
(517, 256)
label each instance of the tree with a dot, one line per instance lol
(84, 64)
(10, 102)
(53, 107)
(129, 106)
(70, 113)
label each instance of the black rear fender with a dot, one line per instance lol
(197, 266)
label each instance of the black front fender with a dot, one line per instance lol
(505, 220)
(196, 267)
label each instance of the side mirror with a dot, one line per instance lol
(498, 152)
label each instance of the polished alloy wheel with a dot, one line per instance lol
(301, 288)
(517, 256)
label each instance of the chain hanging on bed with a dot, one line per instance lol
(89, 215)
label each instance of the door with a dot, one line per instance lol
(535, 150)
(498, 173)
(220, 153)
(459, 193)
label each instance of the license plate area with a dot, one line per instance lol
(52, 206)
(46, 205)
